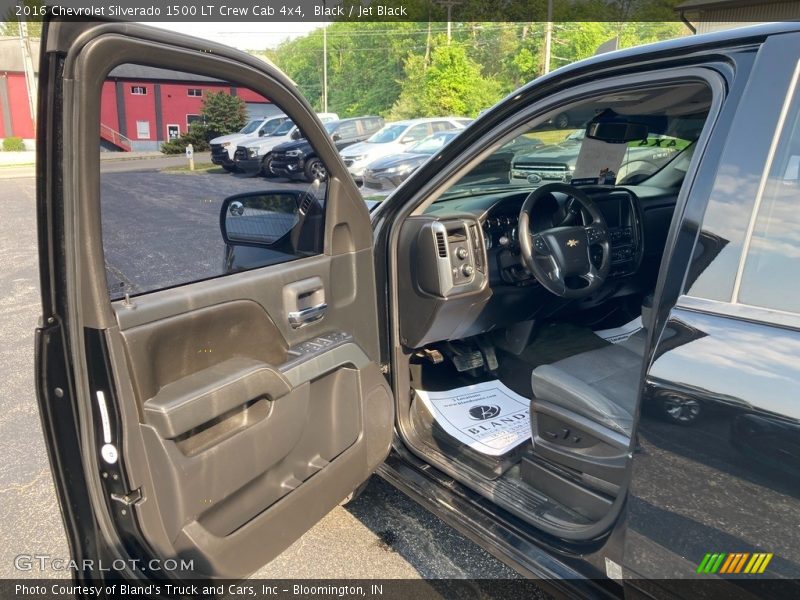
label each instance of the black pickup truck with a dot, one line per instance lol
(625, 357)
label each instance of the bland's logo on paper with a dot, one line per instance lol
(482, 412)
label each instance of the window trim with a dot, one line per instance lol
(139, 135)
(191, 95)
(143, 91)
(743, 312)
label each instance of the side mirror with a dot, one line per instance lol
(262, 132)
(336, 137)
(263, 218)
(296, 135)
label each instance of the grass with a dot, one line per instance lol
(198, 168)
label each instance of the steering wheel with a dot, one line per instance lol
(559, 256)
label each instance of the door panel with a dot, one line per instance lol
(716, 469)
(220, 418)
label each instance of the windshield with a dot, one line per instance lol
(558, 150)
(388, 133)
(251, 126)
(283, 128)
(431, 144)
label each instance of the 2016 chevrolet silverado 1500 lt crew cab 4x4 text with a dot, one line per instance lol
(623, 347)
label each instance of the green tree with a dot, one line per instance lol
(451, 85)
(222, 114)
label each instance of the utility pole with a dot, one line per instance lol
(548, 36)
(325, 68)
(449, 4)
(27, 65)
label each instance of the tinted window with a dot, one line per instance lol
(347, 130)
(771, 274)
(161, 221)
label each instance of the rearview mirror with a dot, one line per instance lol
(263, 218)
(616, 132)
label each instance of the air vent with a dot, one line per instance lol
(441, 244)
(305, 205)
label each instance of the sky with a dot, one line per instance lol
(244, 36)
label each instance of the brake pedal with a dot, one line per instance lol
(488, 353)
(464, 359)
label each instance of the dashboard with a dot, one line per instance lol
(466, 276)
(619, 207)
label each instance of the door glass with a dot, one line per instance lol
(169, 219)
(771, 277)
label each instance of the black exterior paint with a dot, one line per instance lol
(730, 481)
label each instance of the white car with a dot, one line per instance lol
(224, 146)
(394, 138)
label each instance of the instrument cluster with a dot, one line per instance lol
(501, 232)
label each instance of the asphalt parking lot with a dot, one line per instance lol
(380, 535)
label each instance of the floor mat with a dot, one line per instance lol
(551, 343)
(487, 417)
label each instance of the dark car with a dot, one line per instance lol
(297, 159)
(490, 348)
(385, 174)
(390, 171)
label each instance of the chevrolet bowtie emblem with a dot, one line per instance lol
(572, 243)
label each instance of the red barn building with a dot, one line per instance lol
(15, 112)
(141, 106)
(144, 106)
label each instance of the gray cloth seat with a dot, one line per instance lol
(601, 385)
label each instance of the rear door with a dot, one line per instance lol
(208, 363)
(715, 487)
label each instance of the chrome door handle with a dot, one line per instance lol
(308, 315)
